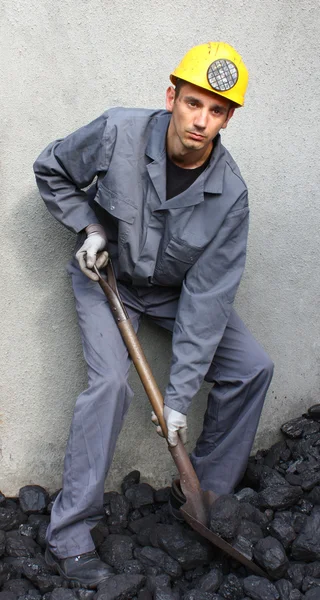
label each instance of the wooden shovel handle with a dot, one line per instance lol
(188, 479)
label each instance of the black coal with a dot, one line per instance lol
(273, 519)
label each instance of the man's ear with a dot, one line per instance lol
(170, 96)
(230, 114)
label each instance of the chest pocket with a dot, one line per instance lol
(118, 207)
(174, 261)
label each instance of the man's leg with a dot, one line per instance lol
(97, 421)
(242, 372)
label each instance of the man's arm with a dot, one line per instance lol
(67, 166)
(205, 304)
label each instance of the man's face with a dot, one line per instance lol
(197, 117)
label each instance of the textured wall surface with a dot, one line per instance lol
(62, 64)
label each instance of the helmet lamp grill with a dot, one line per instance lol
(222, 75)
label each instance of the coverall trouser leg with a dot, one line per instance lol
(97, 421)
(241, 372)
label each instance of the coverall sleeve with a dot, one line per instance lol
(67, 166)
(205, 303)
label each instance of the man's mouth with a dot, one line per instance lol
(196, 136)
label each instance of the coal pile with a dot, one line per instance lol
(273, 519)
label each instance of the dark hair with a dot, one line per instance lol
(179, 84)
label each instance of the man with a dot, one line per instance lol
(170, 207)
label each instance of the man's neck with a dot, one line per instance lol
(187, 159)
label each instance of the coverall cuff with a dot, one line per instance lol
(180, 406)
(88, 219)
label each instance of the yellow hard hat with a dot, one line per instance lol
(216, 67)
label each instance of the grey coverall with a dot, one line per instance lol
(179, 262)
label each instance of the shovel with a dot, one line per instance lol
(198, 502)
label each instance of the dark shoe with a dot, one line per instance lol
(85, 570)
(176, 499)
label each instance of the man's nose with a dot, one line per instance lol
(201, 119)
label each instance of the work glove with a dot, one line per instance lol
(176, 424)
(91, 253)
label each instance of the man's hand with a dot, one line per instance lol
(90, 252)
(176, 424)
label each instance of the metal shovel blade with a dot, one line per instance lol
(196, 512)
(216, 540)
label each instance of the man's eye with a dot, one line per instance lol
(193, 104)
(217, 111)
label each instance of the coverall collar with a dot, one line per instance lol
(210, 181)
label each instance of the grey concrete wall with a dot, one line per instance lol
(62, 64)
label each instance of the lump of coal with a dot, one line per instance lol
(249, 530)
(33, 499)
(157, 581)
(306, 448)
(280, 496)
(284, 588)
(231, 588)
(211, 582)
(307, 545)
(200, 595)
(41, 535)
(164, 593)
(252, 474)
(132, 567)
(18, 545)
(248, 495)
(224, 516)
(149, 556)
(162, 495)
(120, 586)
(259, 588)
(143, 529)
(309, 583)
(295, 574)
(140, 494)
(84, 594)
(8, 596)
(119, 510)
(9, 518)
(28, 530)
(185, 546)
(281, 528)
(313, 569)
(296, 428)
(312, 594)
(303, 506)
(314, 496)
(270, 555)
(275, 453)
(129, 480)
(5, 573)
(244, 546)
(116, 549)
(270, 478)
(251, 513)
(63, 594)
(2, 542)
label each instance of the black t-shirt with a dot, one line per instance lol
(179, 179)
